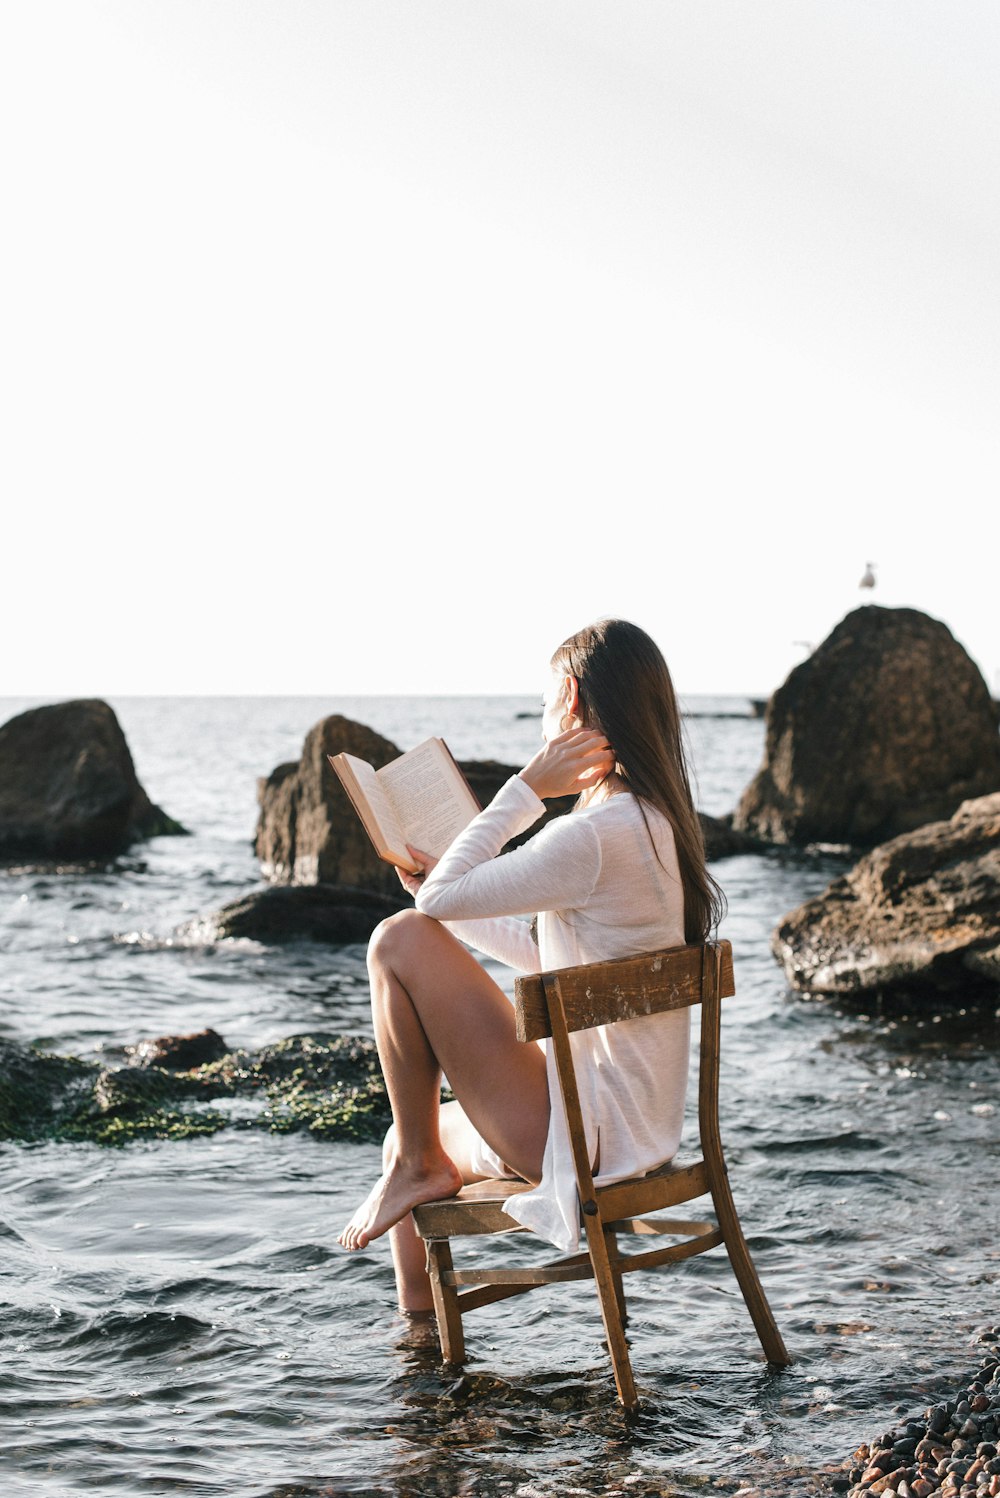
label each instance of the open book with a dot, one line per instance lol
(421, 798)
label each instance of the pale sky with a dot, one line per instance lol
(360, 346)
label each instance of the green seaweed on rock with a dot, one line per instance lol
(41, 1094)
(159, 1124)
(329, 1086)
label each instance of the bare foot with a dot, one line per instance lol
(397, 1191)
(419, 1330)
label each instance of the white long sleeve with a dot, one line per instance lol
(556, 870)
(502, 937)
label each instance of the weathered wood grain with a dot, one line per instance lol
(601, 993)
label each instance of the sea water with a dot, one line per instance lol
(175, 1317)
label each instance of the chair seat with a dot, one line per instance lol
(479, 1208)
(476, 1209)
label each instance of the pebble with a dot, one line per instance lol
(950, 1451)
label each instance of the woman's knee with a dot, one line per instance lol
(397, 935)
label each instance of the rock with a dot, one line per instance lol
(919, 913)
(178, 1052)
(486, 776)
(888, 725)
(889, 1482)
(307, 831)
(39, 1091)
(722, 840)
(122, 1091)
(322, 912)
(328, 1085)
(68, 787)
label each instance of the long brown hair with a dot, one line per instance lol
(626, 692)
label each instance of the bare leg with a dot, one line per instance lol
(409, 1251)
(435, 1008)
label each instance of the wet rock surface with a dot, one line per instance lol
(888, 725)
(68, 787)
(921, 913)
(321, 912)
(178, 1052)
(328, 1085)
(949, 1450)
(307, 831)
(722, 840)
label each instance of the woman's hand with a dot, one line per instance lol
(572, 762)
(412, 883)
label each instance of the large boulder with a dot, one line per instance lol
(68, 787)
(307, 831)
(887, 725)
(920, 913)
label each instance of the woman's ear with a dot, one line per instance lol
(571, 690)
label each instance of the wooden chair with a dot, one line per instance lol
(554, 1004)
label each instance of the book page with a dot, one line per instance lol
(381, 809)
(431, 798)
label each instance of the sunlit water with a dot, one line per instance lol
(175, 1318)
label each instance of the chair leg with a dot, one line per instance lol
(611, 1240)
(746, 1274)
(449, 1317)
(609, 1289)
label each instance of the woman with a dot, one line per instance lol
(623, 873)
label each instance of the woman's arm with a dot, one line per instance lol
(505, 938)
(470, 887)
(557, 869)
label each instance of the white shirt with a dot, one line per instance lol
(600, 892)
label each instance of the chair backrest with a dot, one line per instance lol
(577, 998)
(601, 993)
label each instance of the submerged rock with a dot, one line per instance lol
(888, 725)
(328, 1085)
(322, 912)
(40, 1093)
(68, 787)
(921, 912)
(178, 1052)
